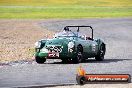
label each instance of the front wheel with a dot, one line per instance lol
(79, 56)
(100, 56)
(65, 60)
(40, 60)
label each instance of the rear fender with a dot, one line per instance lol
(100, 42)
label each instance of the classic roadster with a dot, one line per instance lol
(70, 46)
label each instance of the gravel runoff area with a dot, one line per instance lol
(116, 33)
(17, 38)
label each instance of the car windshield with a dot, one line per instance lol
(65, 34)
(69, 34)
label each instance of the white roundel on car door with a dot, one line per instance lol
(93, 47)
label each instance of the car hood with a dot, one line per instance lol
(57, 41)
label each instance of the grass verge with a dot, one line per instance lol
(63, 12)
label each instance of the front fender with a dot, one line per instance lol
(43, 41)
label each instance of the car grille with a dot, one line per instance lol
(57, 49)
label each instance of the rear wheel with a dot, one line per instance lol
(40, 60)
(100, 56)
(79, 56)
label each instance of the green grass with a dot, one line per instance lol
(62, 12)
(115, 3)
(35, 9)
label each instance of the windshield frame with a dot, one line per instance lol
(66, 34)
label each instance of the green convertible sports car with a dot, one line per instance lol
(70, 46)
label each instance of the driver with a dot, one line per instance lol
(66, 32)
(81, 36)
(66, 29)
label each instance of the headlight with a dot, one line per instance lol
(37, 44)
(71, 45)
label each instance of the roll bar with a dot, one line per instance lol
(78, 28)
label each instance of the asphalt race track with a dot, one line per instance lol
(116, 33)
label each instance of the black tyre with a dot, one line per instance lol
(100, 56)
(79, 56)
(40, 60)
